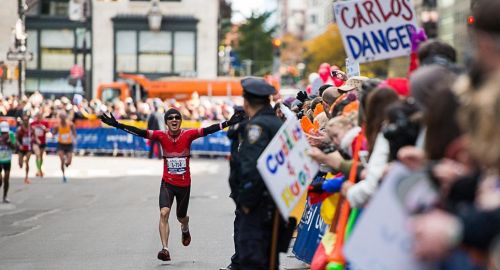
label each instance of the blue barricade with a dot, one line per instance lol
(310, 231)
(108, 140)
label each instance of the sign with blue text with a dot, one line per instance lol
(375, 29)
(285, 166)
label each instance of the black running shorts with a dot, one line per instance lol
(181, 194)
(66, 148)
(4, 167)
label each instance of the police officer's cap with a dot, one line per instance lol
(257, 87)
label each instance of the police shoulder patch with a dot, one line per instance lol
(253, 133)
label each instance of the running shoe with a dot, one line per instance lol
(186, 238)
(164, 255)
(27, 181)
(65, 180)
(5, 200)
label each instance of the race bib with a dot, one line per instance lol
(26, 140)
(5, 153)
(177, 165)
(65, 137)
(39, 132)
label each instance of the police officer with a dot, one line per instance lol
(255, 202)
(235, 134)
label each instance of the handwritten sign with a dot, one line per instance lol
(285, 166)
(375, 29)
(381, 239)
(352, 68)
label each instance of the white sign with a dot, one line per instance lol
(375, 29)
(285, 166)
(352, 68)
(19, 56)
(381, 239)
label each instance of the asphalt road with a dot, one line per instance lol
(106, 217)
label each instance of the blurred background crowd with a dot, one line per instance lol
(197, 109)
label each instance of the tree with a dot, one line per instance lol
(328, 48)
(255, 43)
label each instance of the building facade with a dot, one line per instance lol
(292, 17)
(115, 38)
(453, 27)
(319, 14)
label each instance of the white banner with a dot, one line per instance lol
(375, 29)
(285, 166)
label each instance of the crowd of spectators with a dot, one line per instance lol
(197, 109)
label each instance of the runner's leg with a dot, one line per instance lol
(6, 180)
(166, 199)
(42, 152)
(182, 199)
(1, 181)
(27, 163)
(21, 159)
(69, 158)
(36, 150)
(60, 153)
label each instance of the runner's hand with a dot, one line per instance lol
(236, 118)
(109, 120)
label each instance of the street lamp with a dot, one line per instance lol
(154, 16)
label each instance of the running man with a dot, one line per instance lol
(176, 181)
(66, 135)
(23, 139)
(7, 145)
(39, 129)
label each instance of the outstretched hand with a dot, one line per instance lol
(302, 96)
(109, 120)
(237, 117)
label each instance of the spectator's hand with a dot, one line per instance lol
(447, 172)
(109, 120)
(435, 234)
(302, 96)
(411, 157)
(345, 187)
(236, 118)
(317, 139)
(317, 154)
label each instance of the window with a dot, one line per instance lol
(126, 51)
(155, 52)
(32, 46)
(57, 49)
(184, 52)
(55, 8)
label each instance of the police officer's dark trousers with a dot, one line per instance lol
(235, 260)
(255, 239)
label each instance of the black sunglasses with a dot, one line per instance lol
(175, 117)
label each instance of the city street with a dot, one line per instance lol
(106, 217)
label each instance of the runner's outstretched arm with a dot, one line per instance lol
(110, 120)
(236, 118)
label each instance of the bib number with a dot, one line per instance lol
(176, 165)
(26, 140)
(39, 132)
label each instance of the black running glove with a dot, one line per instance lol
(302, 96)
(237, 117)
(109, 120)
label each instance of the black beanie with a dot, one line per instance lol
(170, 112)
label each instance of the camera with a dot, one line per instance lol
(401, 130)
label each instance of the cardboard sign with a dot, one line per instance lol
(285, 166)
(381, 239)
(375, 29)
(352, 68)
